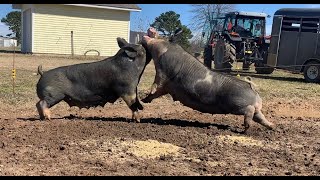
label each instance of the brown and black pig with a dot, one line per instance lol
(94, 84)
(187, 80)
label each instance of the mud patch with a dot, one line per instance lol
(305, 112)
(216, 163)
(151, 149)
(242, 140)
(296, 108)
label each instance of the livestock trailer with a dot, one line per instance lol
(295, 42)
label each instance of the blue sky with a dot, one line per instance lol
(151, 11)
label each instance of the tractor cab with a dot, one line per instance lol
(243, 25)
(246, 24)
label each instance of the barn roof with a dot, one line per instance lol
(126, 6)
(123, 7)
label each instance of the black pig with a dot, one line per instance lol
(94, 84)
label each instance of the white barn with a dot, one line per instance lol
(7, 42)
(74, 28)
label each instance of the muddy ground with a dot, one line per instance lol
(170, 140)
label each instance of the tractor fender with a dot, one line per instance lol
(233, 38)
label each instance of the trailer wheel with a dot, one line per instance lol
(311, 72)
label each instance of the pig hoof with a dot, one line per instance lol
(246, 127)
(244, 131)
(271, 126)
(145, 100)
(136, 117)
(135, 120)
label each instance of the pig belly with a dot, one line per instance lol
(181, 95)
(90, 100)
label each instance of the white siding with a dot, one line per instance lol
(92, 29)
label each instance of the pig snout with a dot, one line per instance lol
(152, 32)
(146, 39)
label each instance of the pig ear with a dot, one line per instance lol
(131, 53)
(121, 42)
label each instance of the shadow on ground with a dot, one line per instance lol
(265, 76)
(157, 121)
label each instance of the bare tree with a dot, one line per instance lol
(143, 23)
(203, 13)
(195, 45)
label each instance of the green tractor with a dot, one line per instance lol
(237, 36)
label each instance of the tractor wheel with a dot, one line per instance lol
(224, 55)
(207, 55)
(231, 50)
(311, 72)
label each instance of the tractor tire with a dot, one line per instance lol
(224, 55)
(311, 72)
(231, 52)
(207, 57)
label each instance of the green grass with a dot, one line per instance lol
(24, 86)
(283, 84)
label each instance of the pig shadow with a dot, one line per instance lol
(161, 122)
(157, 121)
(261, 76)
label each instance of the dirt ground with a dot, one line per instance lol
(170, 140)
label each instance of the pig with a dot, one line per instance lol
(187, 80)
(94, 84)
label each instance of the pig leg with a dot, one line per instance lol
(249, 112)
(157, 89)
(43, 109)
(155, 93)
(134, 104)
(50, 99)
(261, 119)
